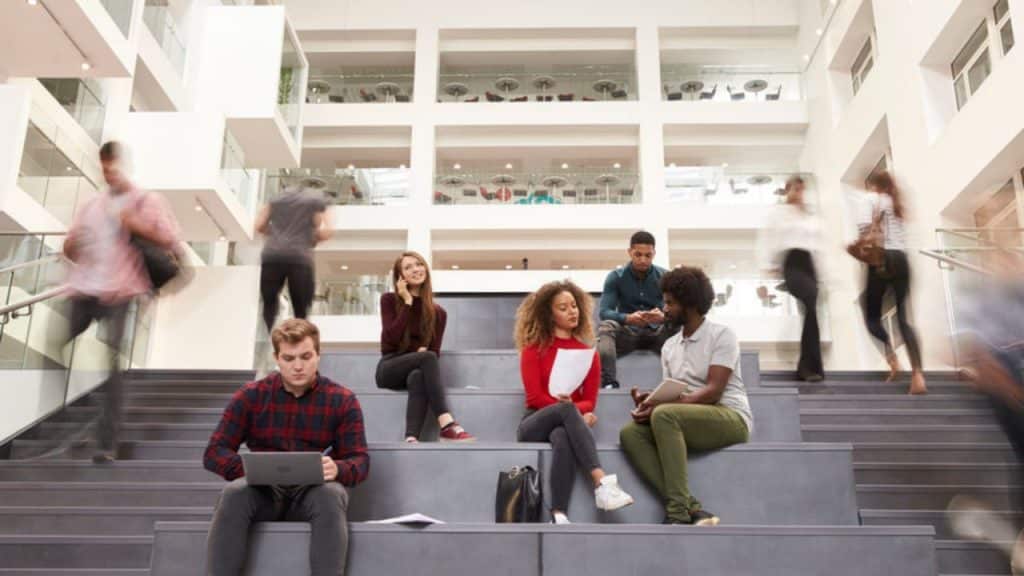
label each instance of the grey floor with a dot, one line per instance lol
(850, 476)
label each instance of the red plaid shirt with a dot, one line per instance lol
(267, 418)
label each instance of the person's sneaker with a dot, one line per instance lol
(104, 458)
(703, 518)
(811, 377)
(411, 440)
(610, 385)
(455, 433)
(560, 518)
(610, 496)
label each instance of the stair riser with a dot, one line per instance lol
(128, 497)
(824, 402)
(973, 561)
(95, 524)
(130, 434)
(184, 387)
(936, 477)
(895, 389)
(126, 451)
(867, 418)
(934, 456)
(984, 435)
(937, 521)
(61, 555)
(925, 500)
(148, 417)
(106, 474)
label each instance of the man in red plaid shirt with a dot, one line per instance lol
(293, 410)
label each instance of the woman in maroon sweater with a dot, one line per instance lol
(557, 317)
(410, 341)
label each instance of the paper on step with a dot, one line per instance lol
(415, 518)
(571, 367)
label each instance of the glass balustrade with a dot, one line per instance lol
(160, 21)
(121, 13)
(588, 84)
(290, 87)
(81, 99)
(729, 83)
(48, 175)
(714, 185)
(240, 179)
(356, 187)
(359, 296)
(384, 87)
(560, 187)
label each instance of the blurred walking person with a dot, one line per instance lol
(788, 245)
(108, 271)
(294, 223)
(882, 246)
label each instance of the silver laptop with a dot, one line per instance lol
(283, 468)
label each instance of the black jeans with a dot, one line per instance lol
(571, 443)
(614, 340)
(420, 374)
(896, 274)
(301, 286)
(240, 506)
(802, 282)
(84, 311)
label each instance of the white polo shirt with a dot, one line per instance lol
(688, 360)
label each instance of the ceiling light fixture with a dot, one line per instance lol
(508, 266)
(222, 238)
(565, 266)
(457, 166)
(819, 31)
(617, 165)
(565, 166)
(508, 166)
(199, 208)
(455, 266)
(351, 166)
(807, 57)
(401, 166)
(344, 267)
(672, 165)
(32, 2)
(725, 164)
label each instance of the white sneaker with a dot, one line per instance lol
(610, 496)
(559, 518)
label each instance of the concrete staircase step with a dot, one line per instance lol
(934, 452)
(532, 550)
(935, 518)
(955, 556)
(139, 494)
(902, 433)
(75, 551)
(892, 401)
(95, 520)
(74, 571)
(931, 497)
(190, 375)
(945, 473)
(897, 416)
(874, 387)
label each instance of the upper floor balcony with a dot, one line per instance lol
(382, 186)
(82, 100)
(730, 83)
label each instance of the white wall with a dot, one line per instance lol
(211, 324)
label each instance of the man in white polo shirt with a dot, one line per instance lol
(713, 412)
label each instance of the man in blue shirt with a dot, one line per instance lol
(630, 310)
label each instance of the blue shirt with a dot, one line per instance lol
(624, 293)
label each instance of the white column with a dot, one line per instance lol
(651, 134)
(421, 159)
(419, 240)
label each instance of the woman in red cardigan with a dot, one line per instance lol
(410, 342)
(558, 317)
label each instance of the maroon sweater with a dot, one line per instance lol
(394, 325)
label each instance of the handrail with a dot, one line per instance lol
(6, 311)
(31, 263)
(955, 262)
(963, 233)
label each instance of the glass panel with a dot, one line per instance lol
(566, 84)
(50, 177)
(1002, 8)
(359, 296)
(382, 85)
(160, 21)
(974, 43)
(713, 185)
(1006, 36)
(80, 98)
(862, 57)
(289, 92)
(960, 88)
(238, 178)
(121, 12)
(729, 83)
(361, 186)
(979, 72)
(561, 187)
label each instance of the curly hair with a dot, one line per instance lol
(690, 287)
(535, 323)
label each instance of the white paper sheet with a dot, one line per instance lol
(415, 518)
(571, 367)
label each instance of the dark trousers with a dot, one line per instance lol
(571, 443)
(802, 282)
(240, 506)
(301, 286)
(84, 311)
(614, 340)
(1011, 418)
(895, 275)
(420, 374)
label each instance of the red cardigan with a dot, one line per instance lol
(535, 366)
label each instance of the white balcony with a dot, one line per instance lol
(188, 158)
(67, 38)
(159, 84)
(254, 72)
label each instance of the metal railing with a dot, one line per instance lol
(555, 187)
(730, 84)
(355, 87)
(595, 83)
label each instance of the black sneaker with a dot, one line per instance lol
(610, 385)
(675, 522)
(703, 518)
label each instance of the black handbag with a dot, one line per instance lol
(161, 264)
(519, 497)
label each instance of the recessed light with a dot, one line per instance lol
(617, 165)
(401, 166)
(222, 238)
(32, 2)
(725, 164)
(344, 267)
(732, 266)
(508, 266)
(508, 166)
(672, 165)
(351, 166)
(455, 266)
(565, 166)
(565, 266)
(457, 166)
(807, 57)
(199, 208)
(86, 66)
(67, 168)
